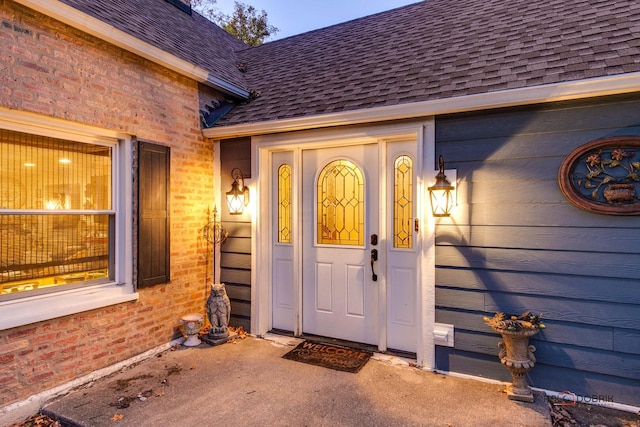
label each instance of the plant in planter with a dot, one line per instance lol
(515, 352)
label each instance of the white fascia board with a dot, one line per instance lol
(108, 33)
(610, 85)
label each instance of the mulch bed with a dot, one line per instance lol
(591, 415)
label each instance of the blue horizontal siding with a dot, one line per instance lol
(561, 355)
(590, 313)
(593, 264)
(577, 287)
(558, 214)
(611, 240)
(584, 383)
(626, 341)
(604, 116)
(515, 243)
(576, 334)
(585, 312)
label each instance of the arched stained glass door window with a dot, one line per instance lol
(403, 203)
(284, 203)
(340, 213)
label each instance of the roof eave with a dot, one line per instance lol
(106, 32)
(601, 86)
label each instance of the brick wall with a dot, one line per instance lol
(49, 68)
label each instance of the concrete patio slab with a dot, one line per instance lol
(248, 383)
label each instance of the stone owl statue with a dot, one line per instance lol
(218, 311)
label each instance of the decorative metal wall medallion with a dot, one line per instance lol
(603, 176)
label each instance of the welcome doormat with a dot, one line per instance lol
(329, 356)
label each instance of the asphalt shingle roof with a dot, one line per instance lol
(192, 38)
(438, 49)
(433, 49)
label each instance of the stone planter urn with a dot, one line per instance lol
(191, 324)
(515, 352)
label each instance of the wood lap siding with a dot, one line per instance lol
(235, 272)
(235, 253)
(153, 229)
(516, 243)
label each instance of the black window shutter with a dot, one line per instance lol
(153, 214)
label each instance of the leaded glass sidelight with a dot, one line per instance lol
(284, 204)
(340, 213)
(403, 203)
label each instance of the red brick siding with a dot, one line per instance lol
(48, 68)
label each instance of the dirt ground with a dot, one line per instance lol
(591, 415)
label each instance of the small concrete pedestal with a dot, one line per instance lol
(213, 340)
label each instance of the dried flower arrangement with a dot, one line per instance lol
(512, 323)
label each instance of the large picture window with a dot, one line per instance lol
(66, 218)
(56, 216)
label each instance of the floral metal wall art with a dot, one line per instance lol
(603, 176)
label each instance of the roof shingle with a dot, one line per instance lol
(433, 49)
(436, 49)
(192, 38)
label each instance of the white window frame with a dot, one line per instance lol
(63, 302)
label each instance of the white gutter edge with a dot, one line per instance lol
(103, 31)
(578, 89)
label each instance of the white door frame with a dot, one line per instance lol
(261, 271)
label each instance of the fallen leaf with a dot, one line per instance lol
(117, 417)
(39, 420)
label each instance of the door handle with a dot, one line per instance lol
(374, 258)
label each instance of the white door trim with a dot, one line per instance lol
(426, 353)
(263, 146)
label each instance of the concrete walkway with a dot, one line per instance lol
(248, 383)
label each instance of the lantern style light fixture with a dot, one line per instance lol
(441, 193)
(237, 197)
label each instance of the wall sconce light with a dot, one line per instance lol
(441, 193)
(237, 197)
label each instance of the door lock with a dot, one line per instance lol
(374, 258)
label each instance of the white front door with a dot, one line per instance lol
(326, 204)
(340, 212)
